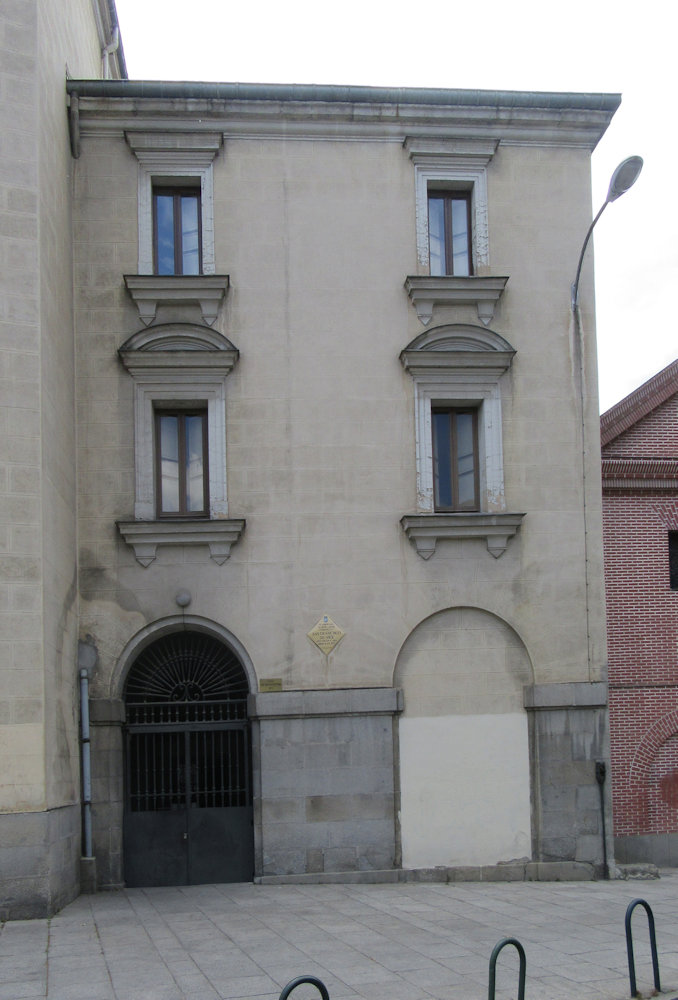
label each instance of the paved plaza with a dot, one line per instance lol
(377, 942)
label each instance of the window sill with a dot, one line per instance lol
(427, 292)
(425, 530)
(148, 291)
(145, 536)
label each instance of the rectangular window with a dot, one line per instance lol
(181, 463)
(673, 559)
(455, 459)
(449, 232)
(177, 235)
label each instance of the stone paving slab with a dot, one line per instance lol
(411, 941)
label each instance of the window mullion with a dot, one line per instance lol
(183, 485)
(469, 234)
(205, 466)
(178, 240)
(448, 232)
(454, 460)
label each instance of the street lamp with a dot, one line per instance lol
(624, 177)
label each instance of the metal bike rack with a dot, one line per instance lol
(313, 980)
(629, 945)
(493, 966)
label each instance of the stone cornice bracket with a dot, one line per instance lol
(148, 291)
(145, 536)
(425, 530)
(431, 148)
(150, 145)
(427, 292)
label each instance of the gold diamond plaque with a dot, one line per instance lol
(326, 634)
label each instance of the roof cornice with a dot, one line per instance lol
(639, 403)
(640, 474)
(193, 90)
(299, 110)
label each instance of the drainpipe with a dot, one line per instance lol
(86, 764)
(74, 124)
(601, 772)
(109, 50)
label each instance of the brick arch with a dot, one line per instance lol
(660, 731)
(667, 513)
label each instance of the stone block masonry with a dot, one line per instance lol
(326, 796)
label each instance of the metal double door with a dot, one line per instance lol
(188, 805)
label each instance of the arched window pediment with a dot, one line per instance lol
(457, 346)
(172, 346)
(177, 337)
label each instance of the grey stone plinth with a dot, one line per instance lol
(39, 862)
(531, 871)
(326, 797)
(651, 848)
(568, 737)
(88, 875)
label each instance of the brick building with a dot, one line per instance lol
(639, 439)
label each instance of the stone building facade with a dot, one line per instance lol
(338, 586)
(640, 525)
(41, 41)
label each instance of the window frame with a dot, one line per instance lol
(455, 165)
(672, 545)
(182, 366)
(177, 192)
(181, 412)
(151, 395)
(179, 365)
(455, 393)
(175, 159)
(447, 196)
(453, 442)
(460, 366)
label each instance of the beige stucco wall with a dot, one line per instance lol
(38, 589)
(317, 237)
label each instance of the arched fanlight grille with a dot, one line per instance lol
(186, 677)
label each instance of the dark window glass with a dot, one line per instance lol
(449, 232)
(181, 466)
(673, 559)
(455, 459)
(176, 222)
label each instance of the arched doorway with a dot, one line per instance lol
(188, 788)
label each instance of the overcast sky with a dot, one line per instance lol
(523, 45)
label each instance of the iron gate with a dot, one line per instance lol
(188, 803)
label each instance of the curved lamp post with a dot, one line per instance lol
(624, 177)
